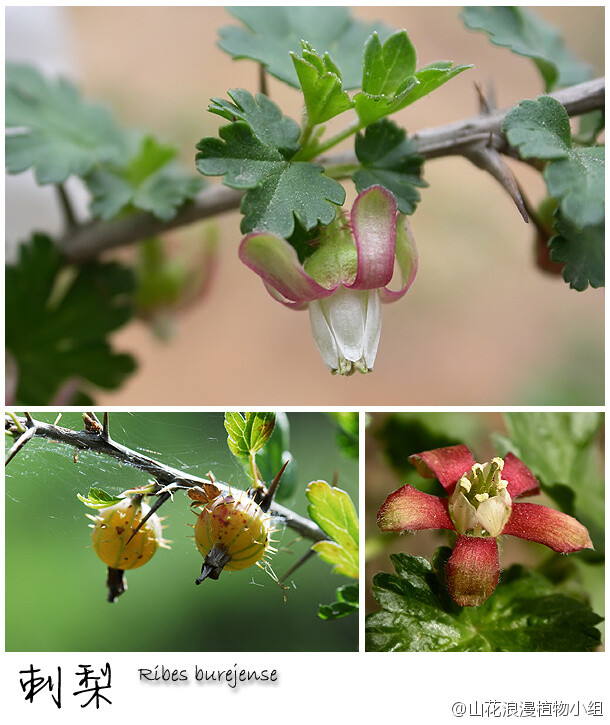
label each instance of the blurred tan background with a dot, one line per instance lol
(481, 325)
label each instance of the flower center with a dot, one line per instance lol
(480, 504)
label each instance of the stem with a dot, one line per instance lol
(165, 475)
(341, 171)
(311, 153)
(16, 421)
(88, 241)
(66, 207)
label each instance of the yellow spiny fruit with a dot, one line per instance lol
(233, 525)
(113, 527)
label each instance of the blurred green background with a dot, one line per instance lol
(55, 585)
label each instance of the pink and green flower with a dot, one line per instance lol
(345, 280)
(479, 507)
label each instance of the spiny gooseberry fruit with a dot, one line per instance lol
(232, 532)
(120, 544)
(113, 528)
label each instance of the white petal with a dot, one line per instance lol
(372, 328)
(345, 312)
(493, 513)
(323, 336)
(463, 513)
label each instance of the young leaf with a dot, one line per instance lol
(526, 34)
(58, 321)
(321, 84)
(388, 76)
(278, 190)
(57, 133)
(333, 511)
(347, 603)
(582, 251)
(433, 76)
(390, 82)
(97, 498)
(264, 117)
(575, 176)
(524, 614)
(147, 181)
(271, 33)
(388, 158)
(248, 433)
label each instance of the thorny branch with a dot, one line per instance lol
(88, 240)
(96, 439)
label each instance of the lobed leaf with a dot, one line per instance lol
(388, 158)
(333, 511)
(248, 433)
(582, 251)
(278, 190)
(527, 34)
(390, 81)
(58, 321)
(322, 86)
(147, 181)
(575, 177)
(57, 133)
(271, 33)
(524, 614)
(263, 116)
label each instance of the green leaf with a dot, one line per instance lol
(539, 129)
(526, 34)
(433, 76)
(272, 456)
(248, 433)
(582, 251)
(560, 449)
(271, 33)
(147, 181)
(57, 133)
(575, 176)
(388, 158)
(333, 511)
(390, 82)
(347, 603)
(524, 614)
(58, 321)
(386, 66)
(278, 190)
(97, 498)
(578, 182)
(321, 83)
(348, 433)
(264, 117)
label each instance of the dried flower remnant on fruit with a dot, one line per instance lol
(345, 280)
(480, 507)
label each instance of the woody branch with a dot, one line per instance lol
(96, 439)
(469, 138)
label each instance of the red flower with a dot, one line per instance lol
(479, 508)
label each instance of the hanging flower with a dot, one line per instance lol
(480, 506)
(344, 281)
